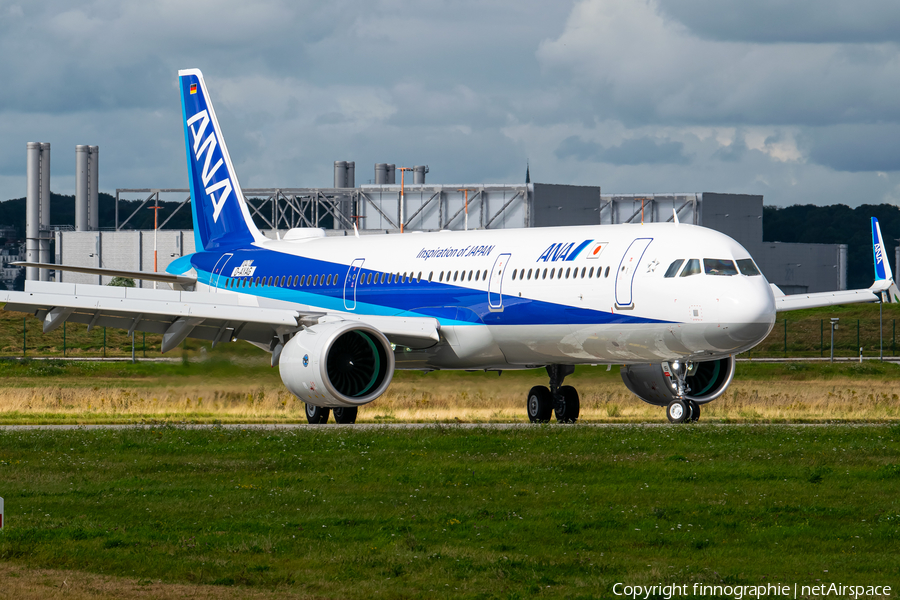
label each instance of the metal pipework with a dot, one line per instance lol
(81, 188)
(44, 216)
(32, 208)
(94, 188)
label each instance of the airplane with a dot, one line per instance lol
(672, 303)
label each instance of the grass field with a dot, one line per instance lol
(536, 511)
(807, 334)
(249, 391)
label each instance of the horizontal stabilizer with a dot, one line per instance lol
(145, 275)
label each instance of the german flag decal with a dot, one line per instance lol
(193, 88)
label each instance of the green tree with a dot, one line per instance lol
(121, 282)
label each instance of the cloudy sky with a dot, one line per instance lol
(799, 101)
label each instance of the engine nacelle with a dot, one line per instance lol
(340, 364)
(706, 381)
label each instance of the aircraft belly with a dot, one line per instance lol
(463, 347)
(621, 343)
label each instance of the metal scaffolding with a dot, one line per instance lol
(430, 207)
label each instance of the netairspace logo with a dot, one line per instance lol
(739, 592)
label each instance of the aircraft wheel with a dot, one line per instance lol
(695, 411)
(678, 411)
(345, 416)
(317, 415)
(540, 404)
(568, 411)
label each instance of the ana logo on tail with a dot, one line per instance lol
(208, 147)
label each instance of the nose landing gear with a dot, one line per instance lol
(558, 398)
(681, 409)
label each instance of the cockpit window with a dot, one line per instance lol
(719, 266)
(672, 271)
(747, 267)
(691, 268)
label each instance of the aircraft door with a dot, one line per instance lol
(350, 283)
(495, 283)
(217, 271)
(627, 269)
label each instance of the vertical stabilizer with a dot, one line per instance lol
(221, 217)
(882, 265)
(883, 272)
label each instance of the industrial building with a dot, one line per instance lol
(391, 207)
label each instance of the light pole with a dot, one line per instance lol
(155, 210)
(403, 171)
(466, 190)
(834, 325)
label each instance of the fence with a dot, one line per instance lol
(22, 336)
(812, 338)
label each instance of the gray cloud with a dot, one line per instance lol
(637, 151)
(800, 21)
(859, 148)
(793, 100)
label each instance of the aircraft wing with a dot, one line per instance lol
(145, 275)
(785, 303)
(883, 290)
(178, 315)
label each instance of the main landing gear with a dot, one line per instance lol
(558, 398)
(681, 409)
(319, 415)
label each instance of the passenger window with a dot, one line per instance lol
(455, 275)
(430, 275)
(484, 274)
(590, 273)
(719, 266)
(515, 272)
(673, 268)
(567, 273)
(747, 267)
(316, 280)
(583, 271)
(691, 268)
(606, 274)
(470, 275)
(419, 278)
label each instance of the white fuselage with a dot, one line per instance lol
(517, 298)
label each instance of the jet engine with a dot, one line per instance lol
(338, 364)
(655, 383)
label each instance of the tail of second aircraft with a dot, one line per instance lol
(221, 217)
(884, 276)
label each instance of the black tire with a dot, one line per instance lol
(678, 411)
(345, 416)
(695, 411)
(571, 406)
(317, 415)
(539, 404)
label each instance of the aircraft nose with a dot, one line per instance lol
(749, 311)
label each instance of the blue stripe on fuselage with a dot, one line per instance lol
(450, 304)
